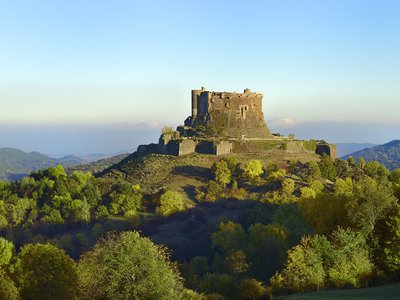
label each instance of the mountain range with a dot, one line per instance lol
(387, 154)
(343, 149)
(15, 163)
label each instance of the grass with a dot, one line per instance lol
(186, 173)
(387, 292)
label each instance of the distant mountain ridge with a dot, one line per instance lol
(15, 163)
(343, 149)
(387, 154)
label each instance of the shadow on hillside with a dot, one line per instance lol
(199, 173)
(188, 234)
(190, 190)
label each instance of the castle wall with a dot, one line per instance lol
(328, 149)
(187, 147)
(223, 147)
(295, 146)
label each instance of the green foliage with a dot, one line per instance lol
(253, 169)
(230, 237)
(128, 266)
(350, 262)
(77, 211)
(371, 201)
(46, 272)
(376, 170)
(222, 173)
(222, 284)
(387, 232)
(361, 163)
(170, 202)
(304, 269)
(233, 165)
(324, 212)
(310, 145)
(124, 197)
(6, 253)
(317, 262)
(328, 169)
(8, 290)
(395, 176)
(167, 130)
(214, 192)
(251, 289)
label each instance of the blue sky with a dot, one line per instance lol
(104, 76)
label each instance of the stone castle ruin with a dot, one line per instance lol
(225, 122)
(232, 115)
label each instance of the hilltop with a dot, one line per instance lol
(387, 154)
(183, 174)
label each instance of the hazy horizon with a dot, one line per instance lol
(115, 138)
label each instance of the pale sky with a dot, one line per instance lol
(81, 69)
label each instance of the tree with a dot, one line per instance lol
(324, 212)
(229, 241)
(266, 249)
(233, 165)
(230, 237)
(376, 170)
(370, 202)
(125, 197)
(387, 231)
(222, 284)
(361, 163)
(350, 261)
(327, 167)
(304, 269)
(128, 266)
(222, 173)
(8, 290)
(77, 211)
(46, 272)
(251, 289)
(170, 202)
(351, 161)
(395, 176)
(253, 169)
(6, 253)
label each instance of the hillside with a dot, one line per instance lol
(98, 165)
(15, 164)
(184, 173)
(387, 154)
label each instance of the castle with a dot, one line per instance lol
(225, 122)
(232, 115)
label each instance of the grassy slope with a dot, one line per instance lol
(98, 165)
(388, 292)
(184, 173)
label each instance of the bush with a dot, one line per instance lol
(170, 202)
